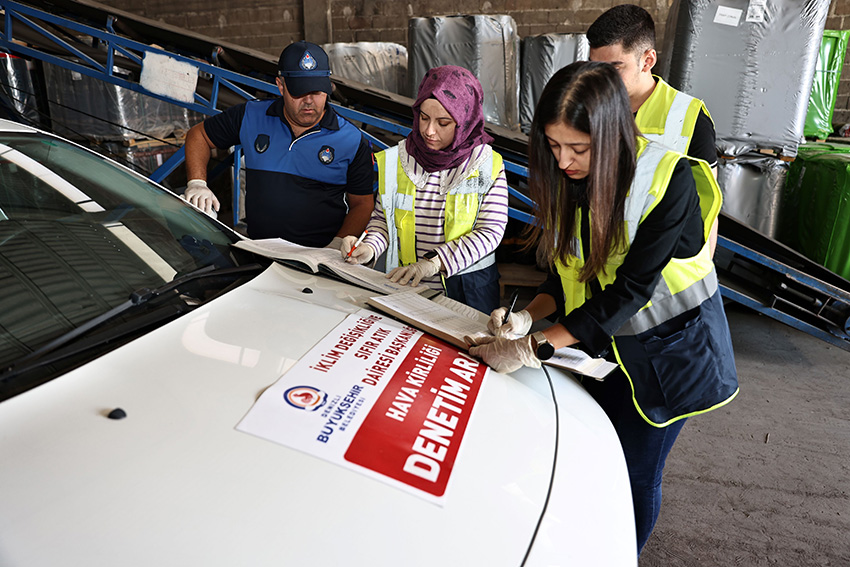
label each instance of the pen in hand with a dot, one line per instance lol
(356, 244)
(511, 308)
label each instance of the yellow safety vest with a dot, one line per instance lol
(398, 194)
(668, 117)
(685, 282)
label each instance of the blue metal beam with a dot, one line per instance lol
(169, 166)
(784, 269)
(783, 317)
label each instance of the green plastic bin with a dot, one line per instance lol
(825, 86)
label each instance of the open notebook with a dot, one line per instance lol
(451, 321)
(325, 261)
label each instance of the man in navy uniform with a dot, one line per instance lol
(309, 174)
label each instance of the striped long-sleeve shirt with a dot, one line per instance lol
(429, 209)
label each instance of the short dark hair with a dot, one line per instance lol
(591, 98)
(627, 24)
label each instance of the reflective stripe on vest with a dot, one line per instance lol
(684, 282)
(668, 117)
(397, 193)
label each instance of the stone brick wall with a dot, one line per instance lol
(269, 25)
(264, 25)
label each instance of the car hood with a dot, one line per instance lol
(175, 482)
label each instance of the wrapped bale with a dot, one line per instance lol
(381, 65)
(17, 93)
(542, 55)
(816, 205)
(825, 85)
(82, 107)
(751, 62)
(752, 187)
(142, 157)
(486, 45)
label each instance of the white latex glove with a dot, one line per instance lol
(518, 325)
(201, 196)
(360, 255)
(503, 354)
(414, 273)
(336, 243)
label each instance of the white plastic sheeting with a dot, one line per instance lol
(486, 45)
(82, 107)
(382, 65)
(542, 56)
(752, 62)
(752, 186)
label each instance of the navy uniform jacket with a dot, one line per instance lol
(295, 187)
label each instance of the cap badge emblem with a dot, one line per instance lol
(308, 62)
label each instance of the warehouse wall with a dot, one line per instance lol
(268, 25)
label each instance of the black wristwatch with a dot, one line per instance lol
(430, 254)
(542, 347)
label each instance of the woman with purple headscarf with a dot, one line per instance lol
(443, 199)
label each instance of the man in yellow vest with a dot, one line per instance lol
(624, 36)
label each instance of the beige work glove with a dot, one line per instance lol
(201, 196)
(415, 273)
(336, 243)
(503, 354)
(360, 255)
(518, 325)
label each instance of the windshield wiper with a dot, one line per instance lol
(137, 299)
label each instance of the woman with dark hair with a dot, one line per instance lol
(623, 223)
(443, 199)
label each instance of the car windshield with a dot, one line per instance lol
(79, 234)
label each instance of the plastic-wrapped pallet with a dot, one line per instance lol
(486, 45)
(752, 62)
(542, 55)
(816, 206)
(752, 187)
(825, 86)
(381, 65)
(82, 107)
(17, 92)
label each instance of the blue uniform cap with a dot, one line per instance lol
(305, 69)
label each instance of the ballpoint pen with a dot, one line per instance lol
(511, 308)
(356, 243)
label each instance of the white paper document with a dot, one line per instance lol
(452, 321)
(325, 260)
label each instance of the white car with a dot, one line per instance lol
(135, 346)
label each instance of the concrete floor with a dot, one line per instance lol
(766, 479)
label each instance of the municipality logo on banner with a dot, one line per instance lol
(305, 397)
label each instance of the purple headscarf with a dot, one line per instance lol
(461, 95)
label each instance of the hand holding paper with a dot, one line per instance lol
(503, 354)
(414, 273)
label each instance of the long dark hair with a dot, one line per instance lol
(589, 97)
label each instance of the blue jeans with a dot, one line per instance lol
(644, 446)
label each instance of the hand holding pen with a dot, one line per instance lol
(505, 322)
(354, 251)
